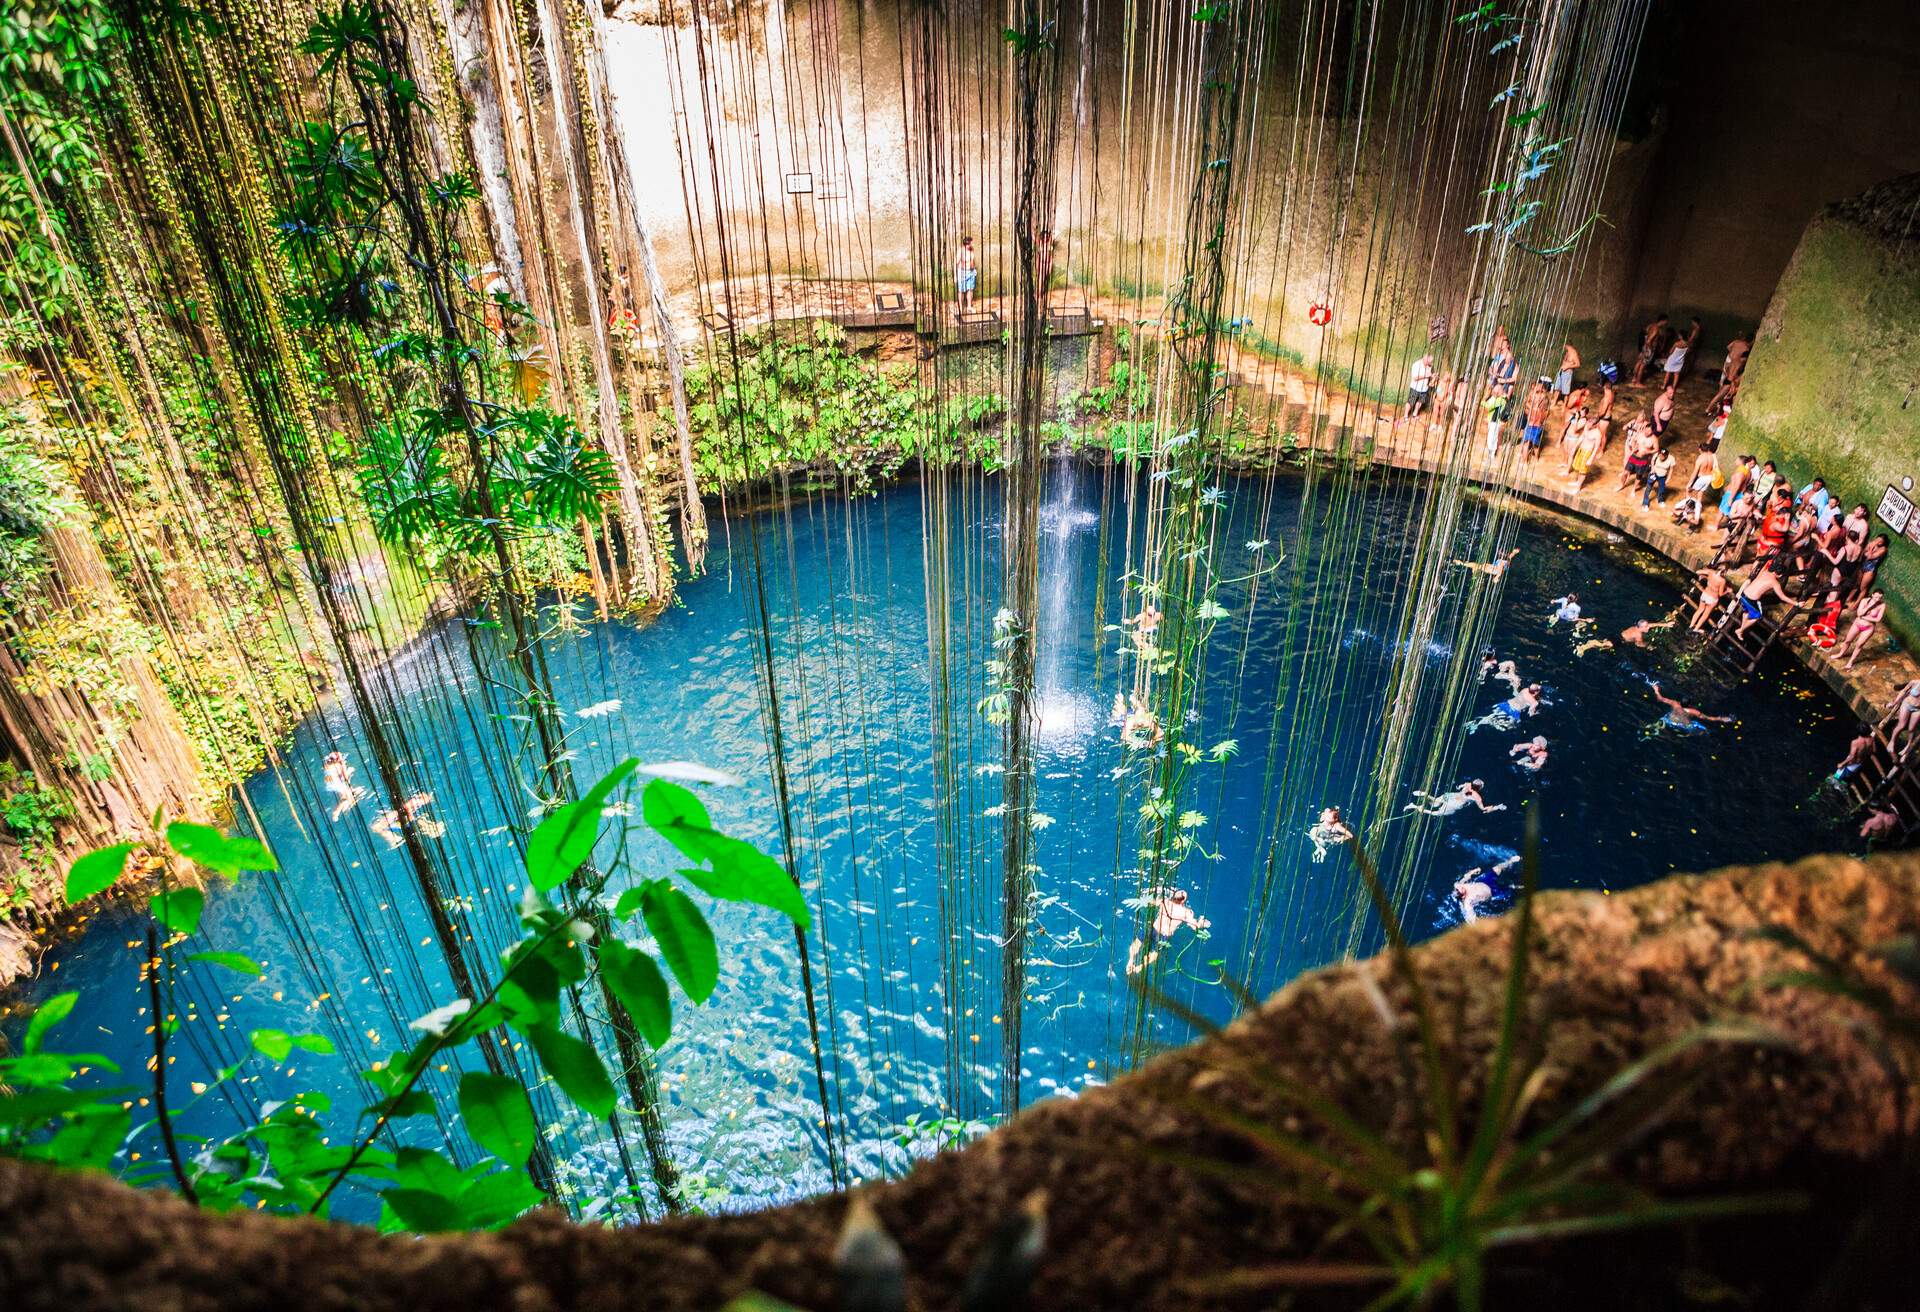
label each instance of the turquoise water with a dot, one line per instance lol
(910, 1031)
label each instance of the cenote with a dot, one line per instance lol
(894, 841)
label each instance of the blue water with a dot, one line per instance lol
(911, 1030)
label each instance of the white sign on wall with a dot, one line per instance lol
(1895, 510)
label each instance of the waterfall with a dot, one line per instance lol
(1064, 712)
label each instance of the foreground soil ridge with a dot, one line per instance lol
(1615, 975)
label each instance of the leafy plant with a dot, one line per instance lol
(286, 1161)
(1427, 1222)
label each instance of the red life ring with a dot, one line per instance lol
(1320, 314)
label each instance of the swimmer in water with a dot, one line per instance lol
(337, 778)
(1565, 608)
(1685, 717)
(1635, 635)
(387, 823)
(1144, 625)
(1499, 669)
(1141, 729)
(1593, 644)
(1169, 914)
(1507, 714)
(1475, 888)
(1493, 569)
(1535, 750)
(1459, 799)
(1328, 830)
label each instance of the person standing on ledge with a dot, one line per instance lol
(1563, 381)
(1420, 387)
(966, 276)
(1652, 337)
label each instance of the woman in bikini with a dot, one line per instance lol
(1873, 607)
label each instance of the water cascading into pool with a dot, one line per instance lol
(1064, 713)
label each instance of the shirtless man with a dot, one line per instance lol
(1652, 338)
(1638, 456)
(1753, 595)
(1857, 753)
(1736, 364)
(1491, 568)
(1535, 753)
(387, 823)
(1328, 830)
(1171, 913)
(1635, 635)
(1525, 701)
(1563, 381)
(1884, 822)
(1475, 888)
(966, 276)
(1499, 669)
(1685, 717)
(1713, 590)
(1444, 804)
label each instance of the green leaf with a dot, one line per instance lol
(179, 910)
(414, 1102)
(424, 1211)
(564, 841)
(275, 1045)
(576, 1068)
(685, 938)
(677, 816)
(96, 871)
(231, 960)
(48, 1014)
(493, 1200)
(498, 1116)
(743, 873)
(206, 846)
(641, 988)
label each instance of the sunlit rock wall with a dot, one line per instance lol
(1834, 385)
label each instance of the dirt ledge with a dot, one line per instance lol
(1618, 974)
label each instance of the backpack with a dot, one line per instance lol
(1607, 371)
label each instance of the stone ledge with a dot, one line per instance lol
(1617, 975)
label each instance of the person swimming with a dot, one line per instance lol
(1170, 912)
(1593, 644)
(1684, 717)
(387, 824)
(1566, 609)
(1535, 750)
(1141, 728)
(336, 776)
(1499, 669)
(1525, 701)
(1491, 568)
(1476, 888)
(1442, 804)
(1330, 829)
(1637, 633)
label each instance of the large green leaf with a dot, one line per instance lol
(498, 1115)
(685, 938)
(641, 988)
(48, 1014)
(96, 871)
(576, 1068)
(564, 841)
(743, 873)
(493, 1200)
(179, 909)
(677, 816)
(206, 846)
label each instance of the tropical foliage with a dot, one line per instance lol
(59, 1109)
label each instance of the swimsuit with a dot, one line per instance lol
(1747, 604)
(1531, 435)
(967, 279)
